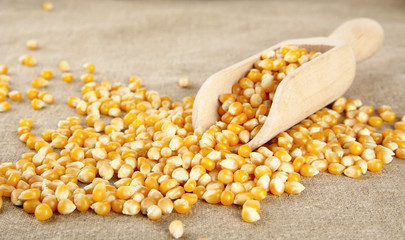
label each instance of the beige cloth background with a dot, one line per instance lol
(164, 40)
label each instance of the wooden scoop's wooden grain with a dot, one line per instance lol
(307, 89)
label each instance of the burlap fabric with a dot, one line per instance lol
(163, 40)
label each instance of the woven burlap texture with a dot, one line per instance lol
(162, 41)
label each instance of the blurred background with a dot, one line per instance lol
(161, 41)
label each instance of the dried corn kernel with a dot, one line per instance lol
(4, 106)
(15, 95)
(64, 66)
(43, 212)
(3, 69)
(67, 77)
(176, 229)
(37, 104)
(32, 44)
(86, 78)
(46, 74)
(184, 82)
(47, 6)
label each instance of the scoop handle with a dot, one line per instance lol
(364, 35)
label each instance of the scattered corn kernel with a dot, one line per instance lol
(47, 6)
(176, 229)
(46, 74)
(39, 83)
(89, 67)
(86, 78)
(15, 95)
(27, 60)
(4, 106)
(64, 66)
(32, 44)
(184, 82)
(3, 69)
(250, 214)
(37, 104)
(67, 77)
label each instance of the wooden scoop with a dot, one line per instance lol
(307, 89)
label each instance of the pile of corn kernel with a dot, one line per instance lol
(149, 160)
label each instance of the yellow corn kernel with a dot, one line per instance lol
(293, 187)
(225, 176)
(250, 214)
(294, 177)
(308, 170)
(37, 104)
(86, 78)
(227, 198)
(3, 69)
(4, 106)
(47, 6)
(254, 75)
(384, 108)
(212, 196)
(30, 205)
(292, 56)
(277, 186)
(46, 97)
(184, 82)
(336, 168)
(375, 165)
(43, 212)
(176, 229)
(400, 153)
(166, 204)
(168, 185)
(125, 192)
(283, 155)
(15, 95)
(190, 185)
(89, 67)
(73, 101)
(32, 44)
(66, 206)
(27, 60)
(13, 179)
(64, 67)
(259, 193)
(208, 164)
(400, 126)
(32, 94)
(39, 83)
(46, 74)
(241, 176)
(118, 205)
(388, 116)
(67, 77)
(131, 207)
(99, 192)
(375, 121)
(82, 202)
(235, 108)
(181, 206)
(315, 146)
(244, 151)
(3, 96)
(353, 171)
(356, 148)
(30, 194)
(154, 213)
(101, 208)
